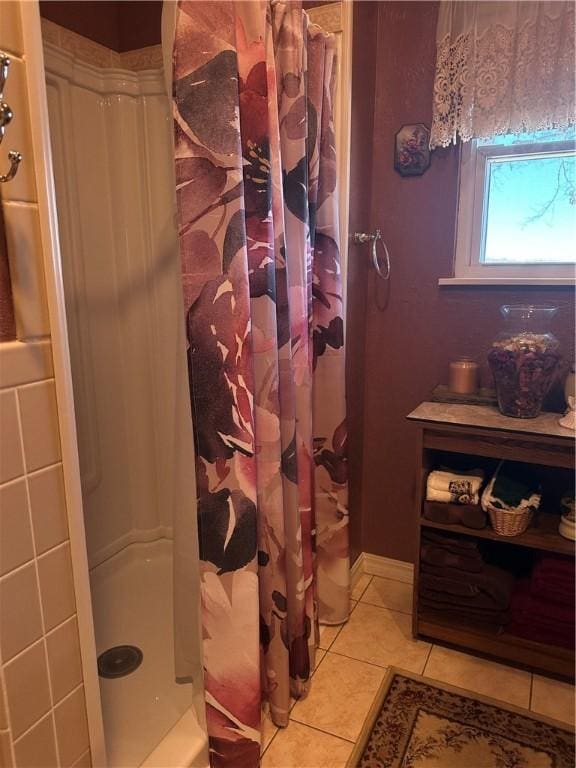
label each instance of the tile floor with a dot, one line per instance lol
(352, 662)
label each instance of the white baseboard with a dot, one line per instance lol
(385, 567)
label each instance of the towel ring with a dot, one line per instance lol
(383, 271)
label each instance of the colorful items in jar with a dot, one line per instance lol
(524, 367)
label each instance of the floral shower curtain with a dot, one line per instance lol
(258, 223)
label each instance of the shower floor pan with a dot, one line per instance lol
(149, 720)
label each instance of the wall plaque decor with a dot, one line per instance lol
(411, 150)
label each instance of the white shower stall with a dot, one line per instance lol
(111, 134)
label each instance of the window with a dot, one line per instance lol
(517, 209)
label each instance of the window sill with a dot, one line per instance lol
(537, 281)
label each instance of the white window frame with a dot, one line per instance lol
(471, 225)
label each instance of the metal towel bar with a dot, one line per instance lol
(363, 237)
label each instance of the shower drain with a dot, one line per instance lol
(119, 661)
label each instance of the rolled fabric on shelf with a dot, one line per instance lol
(454, 487)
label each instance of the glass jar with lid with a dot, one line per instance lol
(524, 359)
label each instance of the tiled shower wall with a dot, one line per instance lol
(42, 706)
(43, 717)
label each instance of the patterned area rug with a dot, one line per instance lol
(415, 723)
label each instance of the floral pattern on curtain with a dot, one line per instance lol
(258, 225)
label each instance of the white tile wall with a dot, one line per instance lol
(16, 546)
(25, 363)
(11, 459)
(40, 666)
(42, 703)
(39, 417)
(11, 39)
(22, 225)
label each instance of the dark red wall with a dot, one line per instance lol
(403, 335)
(120, 25)
(140, 24)
(362, 123)
(93, 19)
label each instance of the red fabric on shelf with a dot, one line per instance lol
(543, 621)
(553, 580)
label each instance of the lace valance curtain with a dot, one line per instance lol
(502, 67)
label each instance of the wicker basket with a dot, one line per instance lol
(509, 522)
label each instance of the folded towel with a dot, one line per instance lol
(453, 543)
(526, 607)
(497, 583)
(467, 515)
(512, 487)
(480, 602)
(445, 559)
(459, 586)
(545, 588)
(553, 581)
(557, 569)
(540, 620)
(493, 582)
(450, 497)
(454, 487)
(446, 572)
(564, 566)
(492, 618)
(496, 622)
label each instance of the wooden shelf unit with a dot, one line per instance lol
(481, 431)
(550, 659)
(542, 533)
